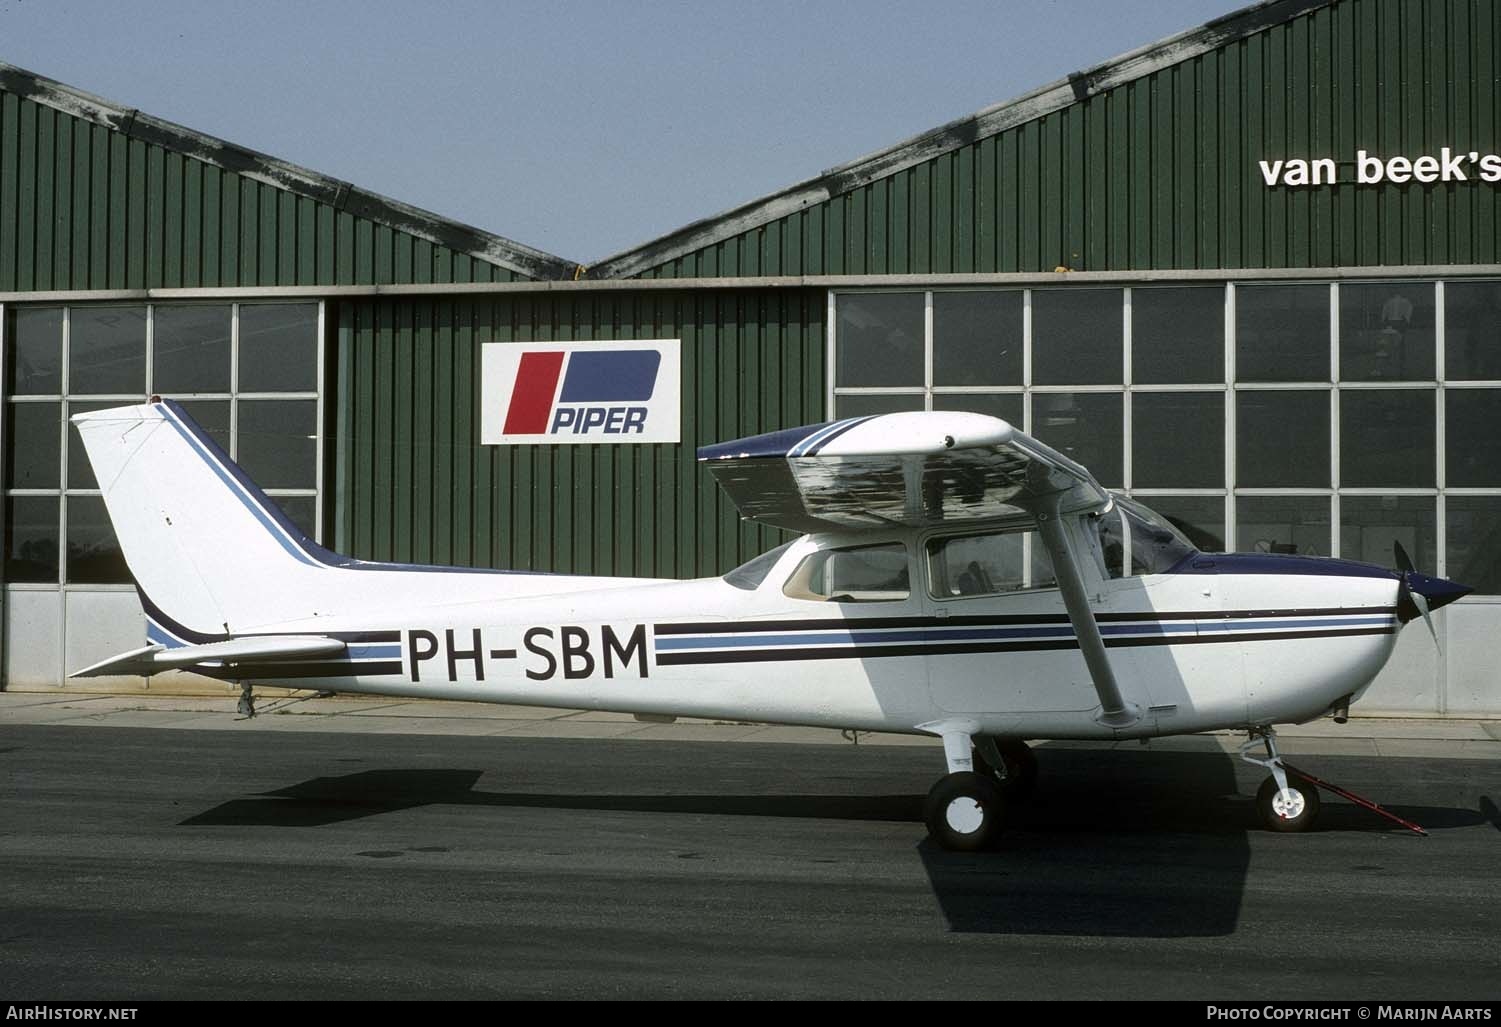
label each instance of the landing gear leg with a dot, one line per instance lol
(964, 809)
(1284, 804)
(246, 707)
(1010, 762)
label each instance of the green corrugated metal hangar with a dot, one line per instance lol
(1249, 273)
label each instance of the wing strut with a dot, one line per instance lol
(1114, 710)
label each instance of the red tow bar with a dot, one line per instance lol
(1367, 803)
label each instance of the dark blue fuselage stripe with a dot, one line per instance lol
(857, 652)
(1000, 634)
(802, 445)
(753, 627)
(817, 447)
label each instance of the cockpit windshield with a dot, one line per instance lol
(1150, 541)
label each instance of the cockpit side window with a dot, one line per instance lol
(856, 574)
(984, 565)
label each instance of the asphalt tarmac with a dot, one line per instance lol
(151, 863)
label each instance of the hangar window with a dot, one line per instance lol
(857, 574)
(248, 373)
(1076, 336)
(1178, 439)
(1386, 332)
(1473, 524)
(1282, 333)
(977, 338)
(1178, 335)
(1472, 331)
(1291, 416)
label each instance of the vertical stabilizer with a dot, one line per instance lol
(208, 549)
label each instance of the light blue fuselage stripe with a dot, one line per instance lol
(237, 490)
(161, 636)
(371, 652)
(1370, 620)
(849, 638)
(812, 637)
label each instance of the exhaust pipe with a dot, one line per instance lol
(1340, 711)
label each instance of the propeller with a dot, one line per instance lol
(1406, 594)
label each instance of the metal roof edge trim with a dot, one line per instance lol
(342, 195)
(962, 132)
(1042, 279)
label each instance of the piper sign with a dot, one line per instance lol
(552, 393)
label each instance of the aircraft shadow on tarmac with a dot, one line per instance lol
(1111, 845)
(1489, 811)
(331, 800)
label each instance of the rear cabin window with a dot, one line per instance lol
(750, 574)
(985, 565)
(859, 574)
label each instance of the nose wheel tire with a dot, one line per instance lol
(964, 811)
(1295, 811)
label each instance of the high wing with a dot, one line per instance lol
(912, 469)
(921, 469)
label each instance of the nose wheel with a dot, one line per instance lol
(1285, 803)
(1294, 808)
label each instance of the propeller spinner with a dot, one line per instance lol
(1418, 594)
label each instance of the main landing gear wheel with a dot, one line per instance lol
(1294, 810)
(964, 811)
(1018, 774)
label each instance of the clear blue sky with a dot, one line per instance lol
(581, 128)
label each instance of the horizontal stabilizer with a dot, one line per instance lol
(153, 659)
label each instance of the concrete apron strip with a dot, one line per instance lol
(1454, 739)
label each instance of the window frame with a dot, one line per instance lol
(65, 400)
(1331, 491)
(1028, 531)
(825, 551)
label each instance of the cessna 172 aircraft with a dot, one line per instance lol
(957, 578)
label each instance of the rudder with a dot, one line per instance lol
(208, 549)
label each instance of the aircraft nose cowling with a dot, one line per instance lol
(1437, 591)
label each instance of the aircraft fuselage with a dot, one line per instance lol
(1223, 641)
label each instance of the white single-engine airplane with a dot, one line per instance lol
(958, 579)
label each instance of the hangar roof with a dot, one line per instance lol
(963, 132)
(341, 195)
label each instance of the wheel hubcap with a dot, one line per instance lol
(1289, 804)
(964, 815)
